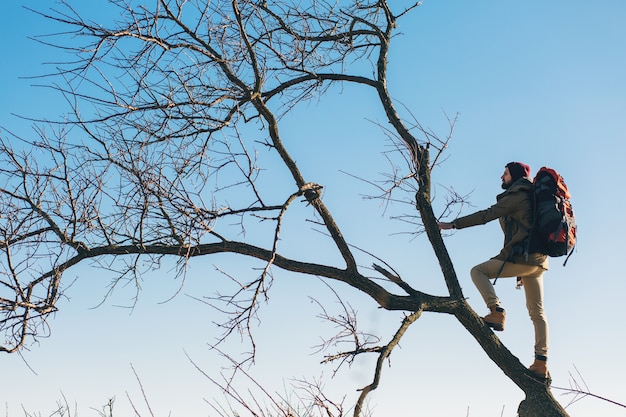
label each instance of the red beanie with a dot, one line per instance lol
(518, 170)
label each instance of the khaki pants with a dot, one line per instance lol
(532, 277)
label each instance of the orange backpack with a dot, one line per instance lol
(554, 224)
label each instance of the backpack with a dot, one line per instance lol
(554, 226)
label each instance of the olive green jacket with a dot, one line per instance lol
(514, 209)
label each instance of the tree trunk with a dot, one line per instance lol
(540, 403)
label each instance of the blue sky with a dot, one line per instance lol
(540, 82)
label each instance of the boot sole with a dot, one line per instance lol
(495, 326)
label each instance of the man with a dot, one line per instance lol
(516, 259)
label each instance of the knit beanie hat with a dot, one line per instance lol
(518, 170)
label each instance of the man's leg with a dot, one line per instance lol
(532, 278)
(533, 287)
(482, 275)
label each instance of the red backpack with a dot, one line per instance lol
(554, 224)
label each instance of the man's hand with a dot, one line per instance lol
(445, 226)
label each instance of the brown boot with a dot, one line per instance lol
(496, 318)
(539, 368)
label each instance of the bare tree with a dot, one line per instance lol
(157, 159)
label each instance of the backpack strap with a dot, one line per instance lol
(499, 272)
(509, 258)
(532, 226)
(527, 240)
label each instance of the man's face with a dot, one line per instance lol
(506, 178)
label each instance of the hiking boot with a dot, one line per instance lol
(539, 368)
(496, 318)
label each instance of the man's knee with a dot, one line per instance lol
(477, 273)
(485, 270)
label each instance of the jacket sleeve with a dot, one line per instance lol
(502, 208)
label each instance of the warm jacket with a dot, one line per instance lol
(514, 209)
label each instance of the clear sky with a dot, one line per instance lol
(538, 81)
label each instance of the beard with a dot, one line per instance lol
(506, 185)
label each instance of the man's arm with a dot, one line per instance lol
(500, 209)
